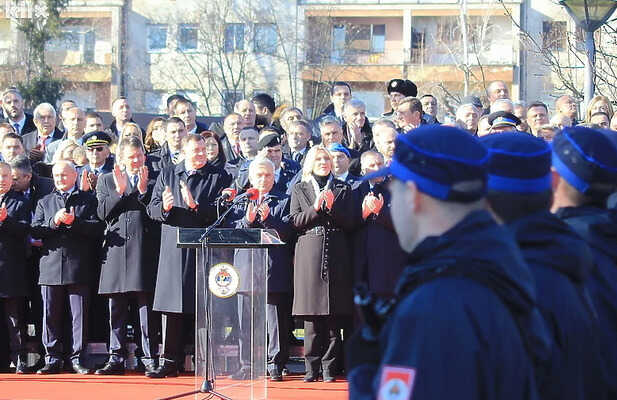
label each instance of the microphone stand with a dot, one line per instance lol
(207, 385)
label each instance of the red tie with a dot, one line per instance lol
(42, 140)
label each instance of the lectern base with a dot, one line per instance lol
(206, 387)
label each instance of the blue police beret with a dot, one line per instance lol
(518, 163)
(269, 140)
(446, 163)
(339, 148)
(503, 118)
(94, 139)
(587, 159)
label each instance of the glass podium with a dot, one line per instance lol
(230, 313)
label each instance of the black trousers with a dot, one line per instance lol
(15, 316)
(118, 317)
(176, 327)
(322, 344)
(278, 311)
(54, 298)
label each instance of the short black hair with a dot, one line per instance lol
(537, 104)
(600, 113)
(12, 135)
(174, 97)
(512, 206)
(339, 83)
(428, 95)
(264, 99)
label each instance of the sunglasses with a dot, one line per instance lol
(97, 149)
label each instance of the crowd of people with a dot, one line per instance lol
(82, 207)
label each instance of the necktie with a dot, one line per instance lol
(134, 181)
(175, 158)
(42, 140)
(296, 156)
(17, 130)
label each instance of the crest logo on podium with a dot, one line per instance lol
(223, 280)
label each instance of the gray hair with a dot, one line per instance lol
(260, 161)
(328, 120)
(500, 103)
(461, 108)
(22, 163)
(41, 107)
(367, 154)
(355, 103)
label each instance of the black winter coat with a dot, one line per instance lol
(175, 281)
(13, 234)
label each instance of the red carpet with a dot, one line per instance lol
(137, 387)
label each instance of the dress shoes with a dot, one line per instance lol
(309, 377)
(21, 366)
(329, 379)
(275, 375)
(51, 368)
(167, 370)
(80, 369)
(111, 369)
(149, 365)
(243, 374)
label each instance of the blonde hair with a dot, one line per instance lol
(309, 160)
(65, 144)
(597, 99)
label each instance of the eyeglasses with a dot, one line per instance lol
(97, 149)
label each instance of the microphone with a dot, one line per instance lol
(228, 194)
(250, 194)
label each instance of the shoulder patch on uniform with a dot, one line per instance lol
(396, 383)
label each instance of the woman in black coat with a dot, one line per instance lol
(321, 212)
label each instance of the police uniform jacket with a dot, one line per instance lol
(598, 227)
(455, 331)
(13, 233)
(561, 262)
(378, 258)
(280, 258)
(107, 167)
(322, 269)
(132, 239)
(69, 254)
(175, 281)
(289, 169)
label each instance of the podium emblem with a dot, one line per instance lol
(223, 280)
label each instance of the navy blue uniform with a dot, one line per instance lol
(455, 332)
(561, 262)
(599, 229)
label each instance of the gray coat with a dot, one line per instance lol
(175, 281)
(323, 275)
(130, 260)
(13, 233)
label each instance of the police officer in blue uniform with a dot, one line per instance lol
(585, 164)
(465, 324)
(520, 195)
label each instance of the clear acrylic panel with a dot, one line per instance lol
(232, 324)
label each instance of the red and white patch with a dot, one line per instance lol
(396, 383)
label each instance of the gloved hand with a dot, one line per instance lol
(360, 351)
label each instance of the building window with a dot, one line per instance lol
(157, 37)
(188, 40)
(265, 39)
(554, 35)
(369, 38)
(378, 38)
(234, 37)
(230, 98)
(79, 40)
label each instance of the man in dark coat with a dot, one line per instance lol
(340, 93)
(129, 262)
(36, 141)
(13, 110)
(585, 164)
(377, 256)
(465, 325)
(298, 135)
(171, 151)
(271, 211)
(122, 113)
(357, 133)
(185, 110)
(230, 140)
(34, 188)
(14, 286)
(397, 90)
(66, 222)
(184, 196)
(520, 195)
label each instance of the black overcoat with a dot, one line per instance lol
(70, 254)
(322, 270)
(175, 282)
(130, 256)
(13, 233)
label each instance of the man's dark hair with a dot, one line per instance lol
(173, 120)
(600, 113)
(264, 100)
(118, 99)
(339, 83)
(427, 95)
(512, 206)
(184, 101)
(22, 163)
(537, 104)
(414, 104)
(12, 135)
(91, 114)
(174, 97)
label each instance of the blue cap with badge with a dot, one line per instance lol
(445, 162)
(339, 148)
